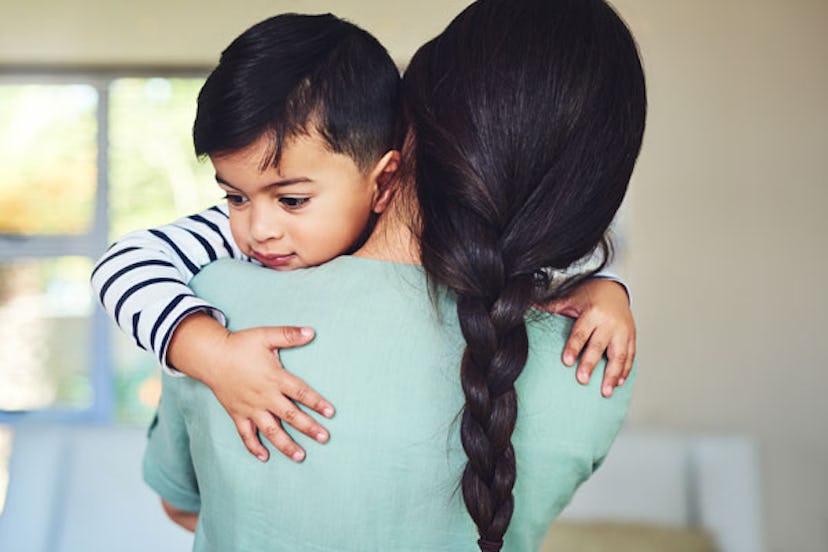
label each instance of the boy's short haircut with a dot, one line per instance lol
(292, 74)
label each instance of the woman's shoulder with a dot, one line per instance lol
(548, 389)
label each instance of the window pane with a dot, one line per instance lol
(48, 154)
(45, 325)
(154, 175)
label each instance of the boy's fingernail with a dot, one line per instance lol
(568, 360)
(306, 332)
(608, 390)
(298, 456)
(321, 436)
(583, 377)
(262, 457)
(621, 382)
(327, 412)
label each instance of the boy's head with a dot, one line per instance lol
(293, 94)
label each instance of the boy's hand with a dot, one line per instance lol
(187, 520)
(603, 322)
(244, 372)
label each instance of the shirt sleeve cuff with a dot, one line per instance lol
(198, 307)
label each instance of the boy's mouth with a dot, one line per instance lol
(274, 261)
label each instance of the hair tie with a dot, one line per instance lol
(489, 546)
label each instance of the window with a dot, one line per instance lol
(84, 158)
(5, 453)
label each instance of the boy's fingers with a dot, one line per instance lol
(293, 416)
(272, 430)
(614, 370)
(629, 364)
(283, 337)
(578, 337)
(563, 306)
(551, 307)
(556, 306)
(247, 432)
(301, 392)
(591, 355)
(296, 336)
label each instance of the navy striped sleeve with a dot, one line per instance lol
(215, 228)
(142, 280)
(186, 260)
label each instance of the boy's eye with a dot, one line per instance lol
(294, 202)
(234, 199)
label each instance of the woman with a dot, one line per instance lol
(525, 120)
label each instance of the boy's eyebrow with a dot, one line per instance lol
(278, 183)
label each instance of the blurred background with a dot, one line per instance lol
(723, 234)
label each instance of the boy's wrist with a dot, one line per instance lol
(194, 342)
(610, 277)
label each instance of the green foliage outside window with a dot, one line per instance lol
(48, 155)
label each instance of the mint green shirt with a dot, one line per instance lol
(387, 480)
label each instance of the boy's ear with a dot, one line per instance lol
(384, 176)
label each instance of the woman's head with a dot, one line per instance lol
(528, 118)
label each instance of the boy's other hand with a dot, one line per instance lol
(604, 322)
(244, 372)
(187, 520)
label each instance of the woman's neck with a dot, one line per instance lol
(392, 239)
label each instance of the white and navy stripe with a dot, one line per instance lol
(142, 279)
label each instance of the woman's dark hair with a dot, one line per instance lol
(292, 71)
(527, 118)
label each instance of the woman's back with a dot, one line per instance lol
(388, 479)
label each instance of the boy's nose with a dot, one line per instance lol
(264, 225)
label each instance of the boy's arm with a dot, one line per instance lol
(142, 283)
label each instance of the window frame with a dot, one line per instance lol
(91, 244)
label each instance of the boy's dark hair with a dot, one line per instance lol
(292, 74)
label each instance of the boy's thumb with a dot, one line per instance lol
(281, 337)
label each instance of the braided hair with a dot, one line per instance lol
(527, 118)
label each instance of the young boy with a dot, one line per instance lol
(301, 122)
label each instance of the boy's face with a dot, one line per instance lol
(306, 211)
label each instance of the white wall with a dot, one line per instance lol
(725, 220)
(728, 239)
(182, 32)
